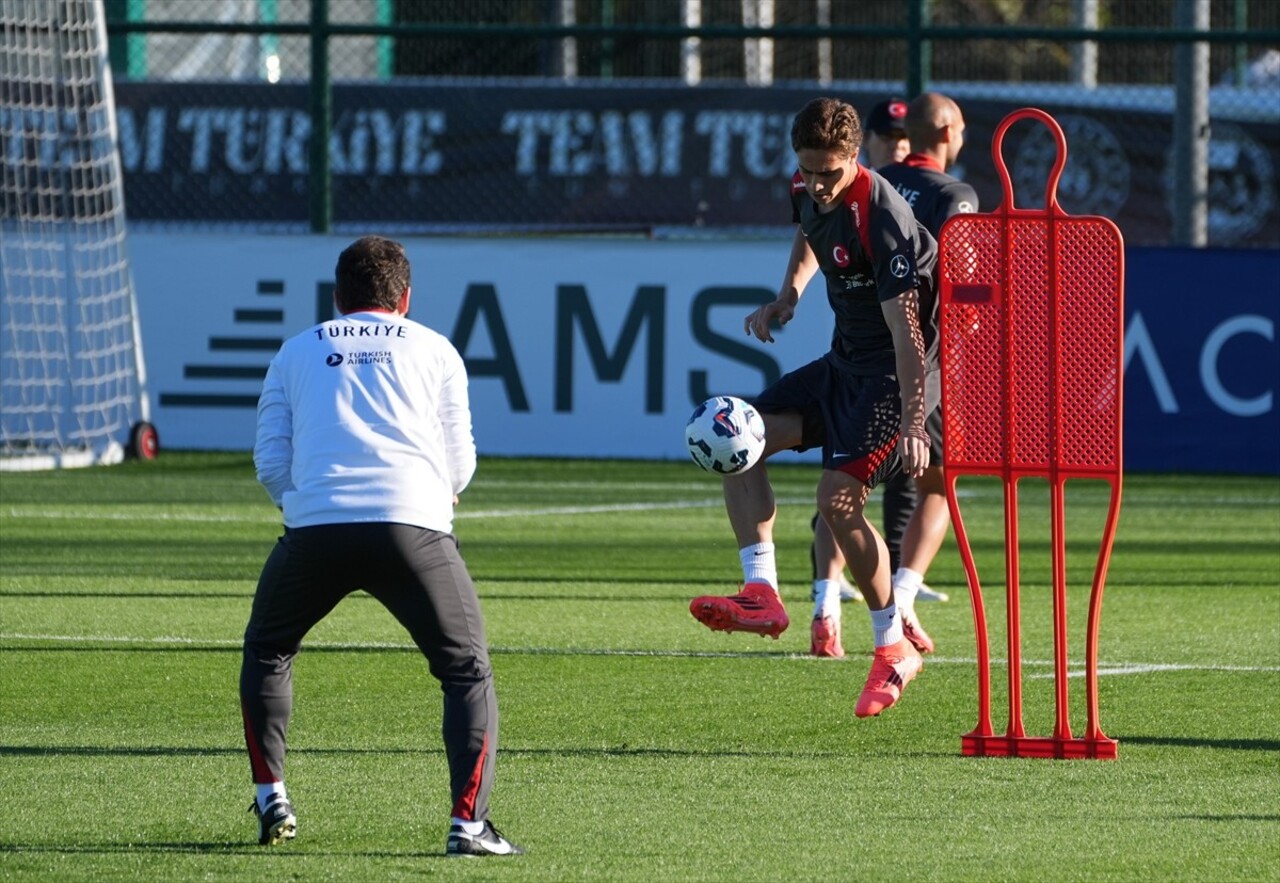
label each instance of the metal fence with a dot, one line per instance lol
(670, 115)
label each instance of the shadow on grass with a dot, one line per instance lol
(486, 594)
(316, 649)
(614, 751)
(237, 848)
(1192, 742)
(246, 595)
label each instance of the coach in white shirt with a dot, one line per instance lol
(364, 441)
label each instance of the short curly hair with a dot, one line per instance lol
(827, 124)
(372, 272)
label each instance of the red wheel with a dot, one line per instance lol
(144, 442)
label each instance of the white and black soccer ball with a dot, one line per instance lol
(725, 435)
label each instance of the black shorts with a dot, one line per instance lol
(933, 425)
(854, 419)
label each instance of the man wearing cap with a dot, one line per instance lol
(886, 133)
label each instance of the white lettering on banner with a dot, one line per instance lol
(635, 130)
(145, 153)
(401, 142)
(244, 142)
(530, 126)
(35, 133)
(1137, 340)
(579, 144)
(200, 122)
(766, 142)
(567, 155)
(1213, 344)
(270, 140)
(274, 141)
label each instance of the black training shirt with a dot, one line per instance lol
(932, 194)
(871, 249)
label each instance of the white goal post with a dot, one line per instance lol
(72, 377)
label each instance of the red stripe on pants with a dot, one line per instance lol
(465, 808)
(262, 774)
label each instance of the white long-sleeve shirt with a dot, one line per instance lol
(365, 418)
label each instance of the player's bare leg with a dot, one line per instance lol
(749, 501)
(750, 504)
(924, 537)
(928, 526)
(828, 580)
(842, 501)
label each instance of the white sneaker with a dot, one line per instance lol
(487, 842)
(924, 593)
(849, 592)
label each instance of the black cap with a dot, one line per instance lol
(887, 116)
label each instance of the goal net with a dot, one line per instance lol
(72, 381)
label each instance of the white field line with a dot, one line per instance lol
(1107, 669)
(271, 516)
(140, 512)
(81, 514)
(1138, 668)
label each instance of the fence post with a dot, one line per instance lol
(1084, 53)
(919, 50)
(1191, 128)
(319, 179)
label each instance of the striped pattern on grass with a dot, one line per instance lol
(636, 745)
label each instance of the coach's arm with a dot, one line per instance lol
(273, 443)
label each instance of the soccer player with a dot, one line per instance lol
(885, 141)
(864, 402)
(364, 441)
(934, 128)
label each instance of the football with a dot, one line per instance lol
(725, 435)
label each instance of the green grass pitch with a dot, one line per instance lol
(636, 745)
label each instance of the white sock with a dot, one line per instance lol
(826, 598)
(906, 583)
(759, 564)
(268, 790)
(886, 626)
(471, 827)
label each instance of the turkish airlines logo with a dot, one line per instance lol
(840, 255)
(857, 218)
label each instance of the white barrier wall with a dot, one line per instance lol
(576, 347)
(601, 347)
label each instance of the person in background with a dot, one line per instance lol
(916, 517)
(886, 128)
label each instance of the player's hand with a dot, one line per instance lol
(758, 322)
(913, 448)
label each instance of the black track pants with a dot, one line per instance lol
(420, 577)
